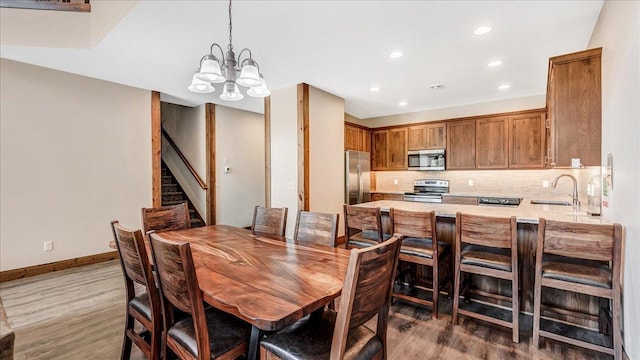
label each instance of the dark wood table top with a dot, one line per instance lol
(263, 280)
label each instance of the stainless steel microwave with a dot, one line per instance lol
(426, 159)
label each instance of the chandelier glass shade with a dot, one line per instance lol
(229, 70)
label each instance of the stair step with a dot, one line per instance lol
(172, 202)
(165, 171)
(196, 223)
(167, 180)
(169, 188)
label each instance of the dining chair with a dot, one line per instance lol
(420, 246)
(164, 218)
(316, 228)
(144, 307)
(327, 334)
(362, 226)
(487, 246)
(585, 259)
(269, 221)
(205, 334)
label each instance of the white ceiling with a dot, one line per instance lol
(341, 47)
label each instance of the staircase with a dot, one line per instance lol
(172, 194)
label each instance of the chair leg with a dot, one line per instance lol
(436, 291)
(515, 307)
(537, 294)
(456, 297)
(616, 324)
(126, 342)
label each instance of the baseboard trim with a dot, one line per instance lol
(29, 271)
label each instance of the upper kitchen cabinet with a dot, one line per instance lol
(389, 149)
(356, 138)
(379, 143)
(527, 140)
(432, 136)
(574, 108)
(461, 145)
(492, 143)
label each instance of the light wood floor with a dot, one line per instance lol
(79, 314)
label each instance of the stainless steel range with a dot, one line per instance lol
(428, 191)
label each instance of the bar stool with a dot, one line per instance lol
(363, 227)
(420, 246)
(487, 246)
(581, 258)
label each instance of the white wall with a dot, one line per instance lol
(326, 154)
(239, 141)
(515, 104)
(284, 152)
(186, 127)
(617, 31)
(75, 154)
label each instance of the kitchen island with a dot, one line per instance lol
(527, 216)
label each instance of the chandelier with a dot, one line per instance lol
(225, 70)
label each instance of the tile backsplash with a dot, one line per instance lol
(526, 183)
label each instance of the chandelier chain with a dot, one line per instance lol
(230, 27)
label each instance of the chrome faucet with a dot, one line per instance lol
(575, 188)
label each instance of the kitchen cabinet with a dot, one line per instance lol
(431, 136)
(575, 108)
(379, 143)
(461, 145)
(527, 145)
(356, 138)
(381, 196)
(460, 200)
(389, 149)
(397, 149)
(492, 143)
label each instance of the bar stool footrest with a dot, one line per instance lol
(590, 339)
(486, 312)
(414, 294)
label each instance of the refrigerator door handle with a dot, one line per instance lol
(360, 185)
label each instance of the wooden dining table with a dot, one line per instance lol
(264, 280)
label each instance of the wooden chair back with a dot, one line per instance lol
(317, 228)
(179, 285)
(269, 221)
(132, 253)
(417, 224)
(487, 231)
(367, 291)
(165, 218)
(358, 219)
(582, 241)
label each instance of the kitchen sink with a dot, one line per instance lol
(551, 202)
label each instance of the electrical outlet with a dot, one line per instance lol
(545, 183)
(395, 181)
(470, 183)
(48, 245)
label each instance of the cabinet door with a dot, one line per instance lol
(351, 137)
(365, 140)
(527, 141)
(575, 108)
(417, 137)
(377, 197)
(436, 136)
(461, 145)
(492, 143)
(379, 142)
(397, 149)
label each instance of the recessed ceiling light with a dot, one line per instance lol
(374, 89)
(481, 30)
(495, 63)
(402, 103)
(396, 54)
(436, 86)
(504, 86)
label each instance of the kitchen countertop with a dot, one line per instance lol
(525, 213)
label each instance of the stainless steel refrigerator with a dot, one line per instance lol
(357, 177)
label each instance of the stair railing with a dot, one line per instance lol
(186, 162)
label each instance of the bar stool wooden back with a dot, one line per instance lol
(487, 246)
(144, 307)
(363, 226)
(421, 247)
(582, 258)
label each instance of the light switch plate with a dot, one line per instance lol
(470, 182)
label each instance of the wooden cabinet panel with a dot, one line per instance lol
(365, 142)
(351, 138)
(527, 141)
(417, 137)
(575, 109)
(379, 143)
(397, 149)
(492, 143)
(461, 145)
(382, 196)
(436, 136)
(377, 196)
(460, 200)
